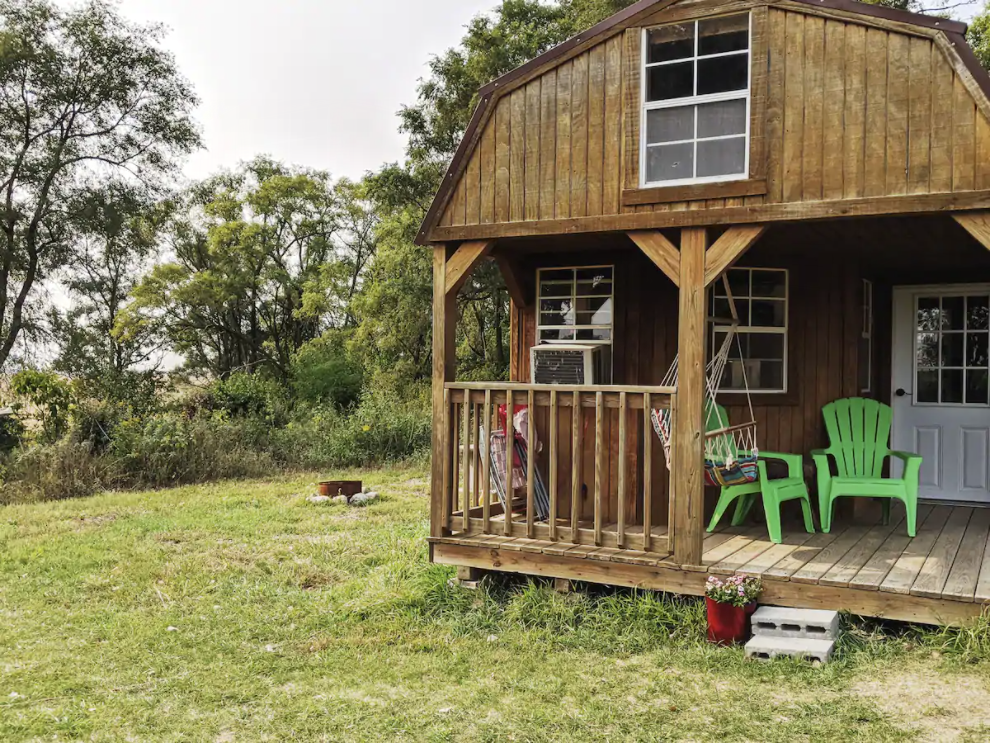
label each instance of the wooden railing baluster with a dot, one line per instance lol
(466, 458)
(552, 465)
(486, 463)
(623, 475)
(647, 472)
(576, 467)
(509, 453)
(531, 466)
(599, 464)
(448, 450)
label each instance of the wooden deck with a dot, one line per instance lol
(941, 576)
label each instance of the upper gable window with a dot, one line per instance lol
(696, 102)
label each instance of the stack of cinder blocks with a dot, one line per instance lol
(806, 634)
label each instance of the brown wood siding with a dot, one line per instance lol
(842, 110)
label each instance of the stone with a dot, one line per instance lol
(813, 624)
(340, 500)
(762, 647)
(319, 499)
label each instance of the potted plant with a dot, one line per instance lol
(730, 601)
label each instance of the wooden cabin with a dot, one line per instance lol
(826, 161)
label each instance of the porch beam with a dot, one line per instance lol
(444, 369)
(976, 224)
(729, 248)
(689, 423)
(514, 284)
(661, 251)
(463, 262)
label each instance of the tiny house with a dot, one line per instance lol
(820, 170)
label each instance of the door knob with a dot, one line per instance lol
(901, 392)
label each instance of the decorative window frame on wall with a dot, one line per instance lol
(633, 192)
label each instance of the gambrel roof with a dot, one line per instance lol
(946, 35)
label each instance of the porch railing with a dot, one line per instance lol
(596, 457)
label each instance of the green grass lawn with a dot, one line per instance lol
(240, 611)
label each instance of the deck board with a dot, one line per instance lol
(785, 568)
(846, 568)
(902, 575)
(965, 572)
(934, 573)
(821, 563)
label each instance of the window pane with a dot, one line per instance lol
(594, 334)
(563, 334)
(727, 34)
(738, 283)
(670, 81)
(977, 386)
(952, 313)
(769, 284)
(721, 119)
(764, 345)
(926, 390)
(671, 42)
(928, 313)
(669, 162)
(977, 313)
(760, 375)
(976, 349)
(670, 124)
(769, 313)
(723, 311)
(594, 275)
(564, 274)
(549, 289)
(586, 288)
(721, 157)
(722, 74)
(952, 349)
(927, 349)
(952, 385)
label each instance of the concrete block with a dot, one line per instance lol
(812, 624)
(766, 648)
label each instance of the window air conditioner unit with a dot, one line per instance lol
(568, 364)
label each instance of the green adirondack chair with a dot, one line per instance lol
(774, 492)
(858, 434)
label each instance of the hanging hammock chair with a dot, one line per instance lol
(731, 452)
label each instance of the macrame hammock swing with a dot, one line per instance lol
(731, 452)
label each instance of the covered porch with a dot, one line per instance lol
(619, 514)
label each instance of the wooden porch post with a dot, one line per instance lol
(689, 423)
(444, 370)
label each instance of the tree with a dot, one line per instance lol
(393, 312)
(117, 238)
(978, 35)
(87, 100)
(264, 260)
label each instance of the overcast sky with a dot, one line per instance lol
(311, 82)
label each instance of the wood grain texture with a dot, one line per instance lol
(842, 109)
(661, 251)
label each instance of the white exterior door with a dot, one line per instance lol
(941, 387)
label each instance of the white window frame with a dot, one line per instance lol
(943, 292)
(574, 297)
(693, 100)
(748, 329)
(867, 333)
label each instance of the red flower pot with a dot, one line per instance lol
(728, 624)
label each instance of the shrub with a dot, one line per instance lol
(64, 470)
(11, 432)
(323, 373)
(244, 395)
(169, 449)
(49, 395)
